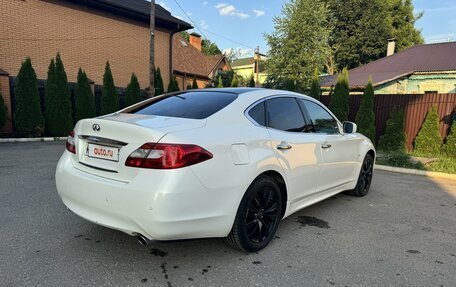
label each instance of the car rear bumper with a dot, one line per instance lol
(159, 204)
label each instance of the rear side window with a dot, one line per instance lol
(191, 105)
(284, 114)
(322, 121)
(258, 114)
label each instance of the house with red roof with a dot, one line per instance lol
(189, 62)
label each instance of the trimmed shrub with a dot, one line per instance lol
(365, 118)
(220, 83)
(109, 96)
(58, 112)
(189, 86)
(315, 90)
(235, 82)
(252, 82)
(84, 101)
(159, 86)
(194, 84)
(428, 140)
(133, 92)
(449, 148)
(394, 139)
(340, 101)
(173, 86)
(28, 119)
(3, 114)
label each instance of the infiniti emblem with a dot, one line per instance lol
(96, 127)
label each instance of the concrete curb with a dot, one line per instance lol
(24, 140)
(416, 172)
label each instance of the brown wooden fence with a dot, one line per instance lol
(415, 110)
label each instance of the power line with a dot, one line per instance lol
(193, 22)
(228, 39)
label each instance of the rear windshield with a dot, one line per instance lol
(191, 105)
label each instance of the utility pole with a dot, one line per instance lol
(152, 51)
(257, 54)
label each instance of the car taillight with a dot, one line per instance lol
(167, 156)
(70, 143)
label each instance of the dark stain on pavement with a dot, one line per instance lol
(77, 236)
(256, 262)
(158, 252)
(332, 283)
(438, 262)
(205, 270)
(144, 280)
(190, 279)
(312, 221)
(412, 251)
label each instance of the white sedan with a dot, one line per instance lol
(211, 163)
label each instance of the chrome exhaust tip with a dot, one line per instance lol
(143, 240)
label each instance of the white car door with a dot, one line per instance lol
(298, 152)
(339, 150)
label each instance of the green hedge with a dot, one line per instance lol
(428, 140)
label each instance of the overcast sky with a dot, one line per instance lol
(241, 24)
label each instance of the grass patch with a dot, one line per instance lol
(441, 164)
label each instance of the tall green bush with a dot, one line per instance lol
(220, 83)
(109, 96)
(194, 84)
(133, 92)
(173, 86)
(340, 101)
(84, 101)
(315, 89)
(159, 86)
(365, 118)
(428, 140)
(189, 86)
(449, 148)
(3, 114)
(28, 119)
(394, 139)
(235, 82)
(58, 112)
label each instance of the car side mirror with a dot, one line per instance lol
(349, 127)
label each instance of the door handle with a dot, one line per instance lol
(284, 146)
(325, 145)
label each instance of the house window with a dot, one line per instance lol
(431, 92)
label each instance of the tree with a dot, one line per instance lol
(298, 44)
(133, 92)
(428, 140)
(226, 78)
(394, 138)
(449, 148)
(58, 112)
(360, 31)
(234, 82)
(252, 82)
(403, 22)
(28, 118)
(159, 86)
(189, 86)
(173, 86)
(220, 83)
(194, 84)
(84, 101)
(340, 100)
(315, 90)
(109, 96)
(3, 114)
(365, 118)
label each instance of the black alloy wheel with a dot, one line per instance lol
(365, 177)
(258, 216)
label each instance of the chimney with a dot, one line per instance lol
(195, 40)
(391, 47)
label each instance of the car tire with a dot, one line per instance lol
(258, 216)
(365, 177)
